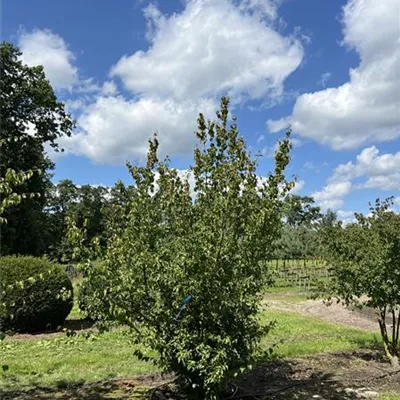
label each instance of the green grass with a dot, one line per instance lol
(389, 396)
(300, 335)
(60, 360)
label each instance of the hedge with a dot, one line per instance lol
(35, 294)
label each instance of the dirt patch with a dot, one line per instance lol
(76, 325)
(324, 376)
(350, 375)
(335, 313)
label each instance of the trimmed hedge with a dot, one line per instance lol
(36, 295)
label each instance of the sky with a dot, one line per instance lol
(126, 69)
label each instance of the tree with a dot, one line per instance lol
(31, 116)
(84, 204)
(186, 274)
(365, 260)
(300, 210)
(328, 219)
(302, 219)
(8, 183)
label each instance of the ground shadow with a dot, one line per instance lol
(327, 376)
(288, 380)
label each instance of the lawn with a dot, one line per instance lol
(60, 360)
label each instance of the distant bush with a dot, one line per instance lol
(35, 294)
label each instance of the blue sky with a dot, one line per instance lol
(330, 69)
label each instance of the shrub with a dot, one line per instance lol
(186, 271)
(35, 294)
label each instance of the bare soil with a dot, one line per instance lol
(335, 313)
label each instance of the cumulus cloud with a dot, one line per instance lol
(114, 129)
(346, 217)
(366, 108)
(194, 57)
(211, 48)
(380, 171)
(42, 47)
(331, 195)
(374, 170)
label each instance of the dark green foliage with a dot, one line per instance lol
(300, 210)
(31, 116)
(35, 294)
(84, 205)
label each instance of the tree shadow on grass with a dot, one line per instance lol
(325, 376)
(105, 390)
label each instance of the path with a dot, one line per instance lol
(335, 313)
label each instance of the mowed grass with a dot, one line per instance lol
(297, 335)
(389, 396)
(59, 360)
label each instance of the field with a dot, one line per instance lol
(312, 357)
(302, 274)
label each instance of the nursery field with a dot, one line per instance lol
(296, 273)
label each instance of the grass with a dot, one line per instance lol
(299, 335)
(60, 360)
(389, 396)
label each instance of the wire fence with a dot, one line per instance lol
(299, 273)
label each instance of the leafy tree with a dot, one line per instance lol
(31, 116)
(365, 260)
(84, 204)
(298, 240)
(187, 274)
(328, 219)
(300, 210)
(8, 183)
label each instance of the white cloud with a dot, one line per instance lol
(366, 108)
(209, 49)
(346, 217)
(260, 138)
(324, 78)
(114, 129)
(298, 186)
(331, 195)
(375, 170)
(381, 171)
(42, 47)
(109, 88)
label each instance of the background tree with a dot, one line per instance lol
(187, 274)
(31, 116)
(300, 210)
(301, 219)
(8, 183)
(84, 205)
(365, 260)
